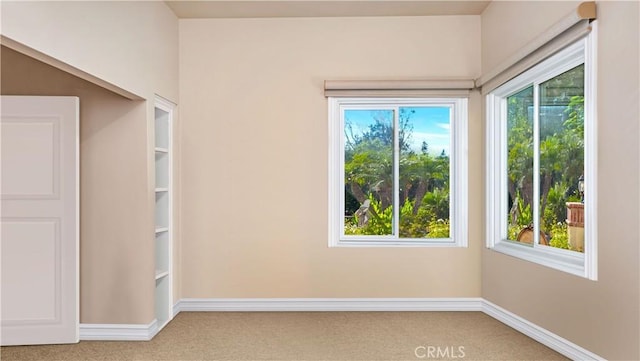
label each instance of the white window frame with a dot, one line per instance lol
(581, 264)
(458, 210)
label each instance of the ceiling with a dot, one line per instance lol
(323, 8)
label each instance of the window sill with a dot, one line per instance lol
(559, 259)
(435, 242)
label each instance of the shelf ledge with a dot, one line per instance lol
(162, 229)
(161, 274)
(162, 189)
(162, 150)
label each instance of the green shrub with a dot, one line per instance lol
(423, 224)
(513, 231)
(379, 221)
(559, 235)
(439, 228)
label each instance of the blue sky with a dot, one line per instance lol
(430, 124)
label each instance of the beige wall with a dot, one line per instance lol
(252, 162)
(115, 248)
(497, 19)
(133, 45)
(254, 155)
(601, 316)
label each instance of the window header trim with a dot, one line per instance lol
(567, 30)
(399, 88)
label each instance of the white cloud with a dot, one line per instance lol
(446, 126)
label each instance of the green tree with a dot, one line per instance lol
(369, 176)
(561, 134)
(520, 151)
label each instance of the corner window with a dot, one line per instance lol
(398, 172)
(541, 175)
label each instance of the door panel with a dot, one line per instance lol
(30, 241)
(39, 191)
(28, 164)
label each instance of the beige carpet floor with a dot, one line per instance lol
(310, 336)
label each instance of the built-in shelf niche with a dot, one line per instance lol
(162, 259)
(163, 210)
(162, 169)
(163, 298)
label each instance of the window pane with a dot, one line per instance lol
(562, 159)
(520, 166)
(368, 172)
(425, 140)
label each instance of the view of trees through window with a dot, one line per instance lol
(421, 138)
(561, 161)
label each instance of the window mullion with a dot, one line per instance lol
(536, 164)
(396, 172)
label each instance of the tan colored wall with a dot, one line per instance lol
(601, 316)
(116, 258)
(254, 155)
(499, 37)
(132, 44)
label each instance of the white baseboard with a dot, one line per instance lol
(176, 309)
(125, 332)
(118, 332)
(329, 304)
(545, 337)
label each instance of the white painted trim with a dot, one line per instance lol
(545, 337)
(330, 304)
(168, 107)
(458, 173)
(118, 332)
(136, 332)
(591, 154)
(336, 221)
(176, 308)
(580, 264)
(77, 218)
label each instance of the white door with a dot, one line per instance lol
(39, 245)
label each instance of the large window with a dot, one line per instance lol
(398, 172)
(541, 163)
